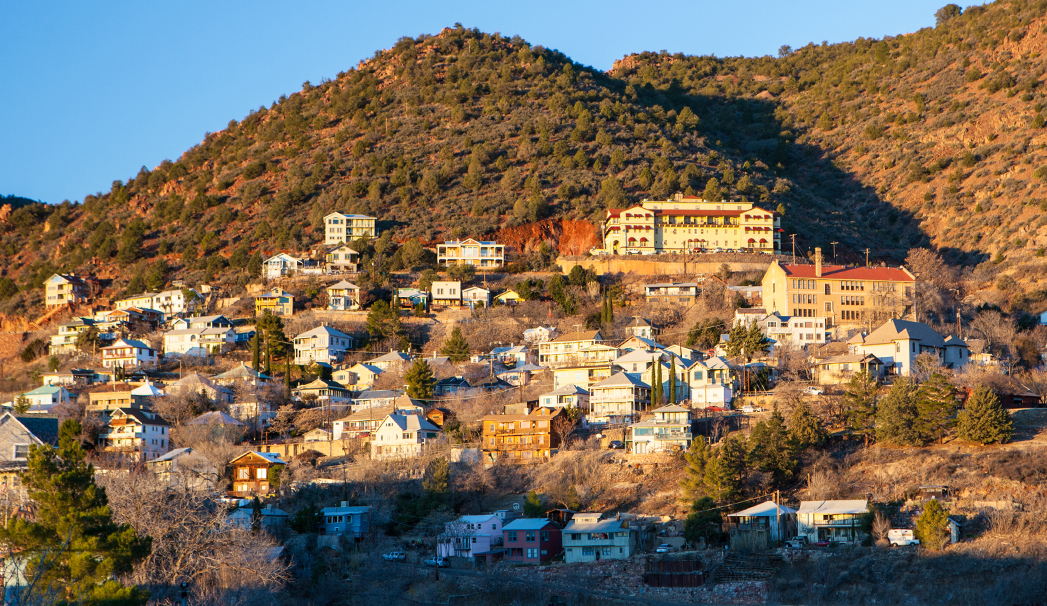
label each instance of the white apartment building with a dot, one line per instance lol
(619, 399)
(402, 436)
(471, 252)
(567, 349)
(129, 353)
(199, 342)
(340, 228)
(139, 434)
(322, 344)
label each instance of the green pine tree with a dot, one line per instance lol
(725, 473)
(704, 521)
(983, 419)
(936, 407)
(805, 428)
(771, 449)
(859, 405)
(533, 506)
(420, 380)
(755, 342)
(456, 348)
(696, 458)
(932, 527)
(736, 340)
(896, 415)
(436, 480)
(672, 380)
(256, 352)
(72, 545)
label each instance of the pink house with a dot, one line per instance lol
(531, 540)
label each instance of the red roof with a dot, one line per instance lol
(839, 272)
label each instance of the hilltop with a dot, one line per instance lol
(930, 139)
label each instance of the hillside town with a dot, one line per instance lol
(455, 414)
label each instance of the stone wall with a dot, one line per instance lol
(665, 265)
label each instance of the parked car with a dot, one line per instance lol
(813, 391)
(796, 543)
(394, 556)
(718, 250)
(616, 444)
(664, 548)
(751, 409)
(823, 543)
(436, 562)
(714, 408)
(902, 537)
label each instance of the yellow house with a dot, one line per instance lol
(277, 302)
(509, 297)
(65, 290)
(470, 252)
(340, 228)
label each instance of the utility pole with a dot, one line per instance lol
(834, 251)
(794, 248)
(867, 257)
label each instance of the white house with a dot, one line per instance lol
(280, 264)
(129, 353)
(343, 296)
(199, 342)
(43, 398)
(271, 518)
(139, 434)
(392, 360)
(402, 436)
(476, 296)
(618, 399)
(710, 382)
(540, 334)
(667, 431)
(216, 321)
(897, 343)
(837, 521)
(567, 396)
(794, 331)
(468, 535)
(641, 327)
(340, 228)
(353, 522)
(768, 521)
(322, 344)
(447, 292)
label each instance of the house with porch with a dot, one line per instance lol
(138, 434)
(618, 399)
(836, 521)
(350, 521)
(277, 302)
(839, 369)
(897, 343)
(590, 538)
(480, 254)
(129, 353)
(447, 292)
(568, 396)
(279, 265)
(668, 431)
(711, 383)
(341, 259)
(468, 535)
(403, 436)
(322, 344)
(343, 296)
(766, 524)
(565, 350)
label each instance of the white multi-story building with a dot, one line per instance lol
(711, 383)
(129, 353)
(568, 396)
(897, 343)
(618, 399)
(281, 264)
(402, 436)
(170, 302)
(322, 344)
(447, 292)
(471, 252)
(340, 228)
(199, 342)
(137, 433)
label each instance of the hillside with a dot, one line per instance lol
(927, 139)
(940, 131)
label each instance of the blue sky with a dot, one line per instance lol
(90, 92)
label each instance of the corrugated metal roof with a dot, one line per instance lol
(856, 506)
(528, 524)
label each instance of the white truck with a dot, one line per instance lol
(902, 537)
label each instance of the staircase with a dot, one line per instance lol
(738, 567)
(38, 323)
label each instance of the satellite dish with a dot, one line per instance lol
(516, 506)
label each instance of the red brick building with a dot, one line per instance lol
(531, 540)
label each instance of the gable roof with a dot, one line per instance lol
(841, 272)
(172, 455)
(763, 510)
(44, 427)
(243, 371)
(411, 422)
(392, 356)
(846, 359)
(528, 524)
(142, 416)
(322, 330)
(322, 384)
(898, 330)
(272, 457)
(591, 335)
(127, 343)
(344, 284)
(621, 379)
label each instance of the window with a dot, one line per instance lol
(21, 451)
(828, 289)
(512, 536)
(587, 551)
(243, 473)
(530, 536)
(263, 473)
(545, 535)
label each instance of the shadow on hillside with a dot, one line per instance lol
(824, 203)
(908, 576)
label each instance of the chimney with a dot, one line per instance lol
(817, 262)
(345, 504)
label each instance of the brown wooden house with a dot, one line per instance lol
(530, 438)
(253, 472)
